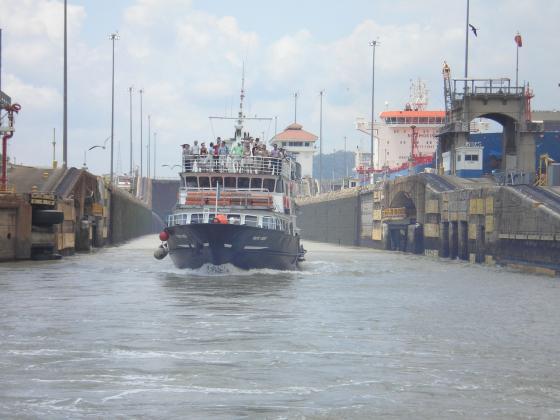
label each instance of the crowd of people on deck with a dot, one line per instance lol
(246, 156)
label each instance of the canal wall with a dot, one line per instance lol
(15, 227)
(61, 212)
(164, 196)
(130, 217)
(335, 221)
(444, 217)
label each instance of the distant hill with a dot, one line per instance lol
(333, 165)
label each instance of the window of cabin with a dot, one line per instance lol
(243, 183)
(256, 183)
(306, 144)
(251, 220)
(197, 218)
(191, 182)
(268, 222)
(279, 186)
(229, 182)
(268, 185)
(204, 182)
(215, 180)
(234, 219)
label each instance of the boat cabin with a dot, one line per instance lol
(265, 221)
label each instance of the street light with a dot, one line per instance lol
(130, 89)
(65, 95)
(321, 140)
(95, 147)
(141, 92)
(113, 37)
(155, 150)
(372, 44)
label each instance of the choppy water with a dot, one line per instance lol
(357, 334)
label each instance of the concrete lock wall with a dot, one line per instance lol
(15, 227)
(480, 223)
(335, 221)
(130, 218)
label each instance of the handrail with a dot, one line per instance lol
(238, 165)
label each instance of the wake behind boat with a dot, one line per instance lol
(235, 206)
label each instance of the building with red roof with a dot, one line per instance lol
(300, 144)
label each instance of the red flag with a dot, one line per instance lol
(518, 40)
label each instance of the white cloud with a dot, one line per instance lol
(189, 62)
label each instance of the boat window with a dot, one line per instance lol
(268, 184)
(197, 218)
(204, 182)
(180, 219)
(268, 222)
(229, 182)
(251, 220)
(279, 185)
(234, 219)
(191, 182)
(243, 183)
(216, 179)
(256, 183)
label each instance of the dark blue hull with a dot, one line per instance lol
(246, 247)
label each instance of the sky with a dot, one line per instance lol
(188, 57)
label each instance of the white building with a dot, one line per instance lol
(300, 144)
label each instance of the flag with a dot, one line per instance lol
(518, 40)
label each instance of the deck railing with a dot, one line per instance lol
(240, 165)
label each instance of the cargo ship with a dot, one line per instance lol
(404, 141)
(235, 208)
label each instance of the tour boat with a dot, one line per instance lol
(235, 210)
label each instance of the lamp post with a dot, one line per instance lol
(345, 163)
(148, 146)
(130, 89)
(141, 92)
(95, 147)
(321, 140)
(113, 37)
(65, 99)
(155, 150)
(372, 44)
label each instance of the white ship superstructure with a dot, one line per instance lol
(403, 139)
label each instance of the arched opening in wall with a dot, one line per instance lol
(399, 217)
(403, 201)
(496, 133)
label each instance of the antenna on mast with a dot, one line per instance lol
(240, 115)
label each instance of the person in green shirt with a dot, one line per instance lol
(236, 154)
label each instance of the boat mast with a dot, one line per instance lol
(240, 117)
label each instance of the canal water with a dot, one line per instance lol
(357, 333)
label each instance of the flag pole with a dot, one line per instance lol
(467, 44)
(517, 66)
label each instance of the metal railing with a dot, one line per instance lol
(239, 165)
(485, 87)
